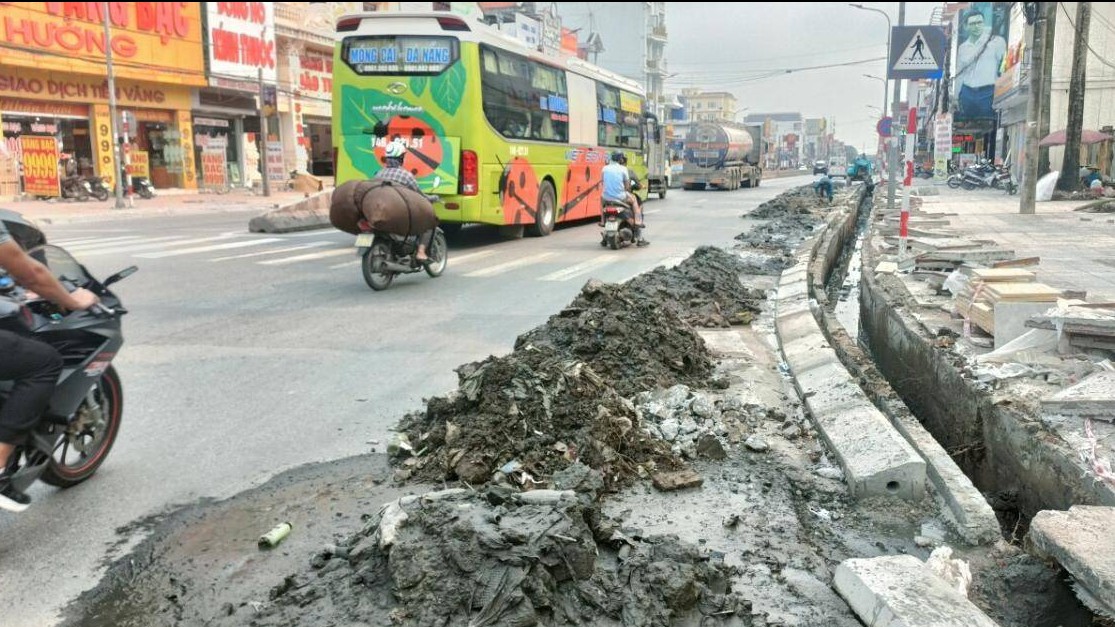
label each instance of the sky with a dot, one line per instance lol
(745, 48)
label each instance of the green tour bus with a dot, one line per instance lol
(503, 134)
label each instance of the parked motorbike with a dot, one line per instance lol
(386, 255)
(97, 187)
(142, 186)
(81, 423)
(75, 187)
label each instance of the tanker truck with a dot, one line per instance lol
(722, 155)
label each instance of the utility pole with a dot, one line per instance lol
(263, 137)
(1039, 96)
(892, 142)
(118, 153)
(1043, 118)
(1070, 178)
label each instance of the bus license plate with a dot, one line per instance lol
(364, 240)
(611, 226)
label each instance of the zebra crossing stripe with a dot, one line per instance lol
(509, 265)
(585, 266)
(205, 249)
(308, 257)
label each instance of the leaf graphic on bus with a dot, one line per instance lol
(418, 84)
(449, 88)
(356, 111)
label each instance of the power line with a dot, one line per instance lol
(1077, 34)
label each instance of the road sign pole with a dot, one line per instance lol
(907, 182)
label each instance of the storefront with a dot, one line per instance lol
(308, 110)
(52, 83)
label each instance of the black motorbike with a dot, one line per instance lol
(97, 187)
(75, 435)
(76, 188)
(142, 186)
(383, 256)
(619, 225)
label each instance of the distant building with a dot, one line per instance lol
(783, 134)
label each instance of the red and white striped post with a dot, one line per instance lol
(907, 182)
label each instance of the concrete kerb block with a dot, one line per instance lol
(827, 373)
(806, 352)
(876, 460)
(901, 591)
(306, 214)
(789, 308)
(793, 326)
(1080, 541)
(792, 290)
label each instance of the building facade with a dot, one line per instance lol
(54, 92)
(783, 134)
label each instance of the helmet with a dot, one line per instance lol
(395, 150)
(619, 157)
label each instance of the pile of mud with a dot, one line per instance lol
(792, 217)
(704, 290)
(524, 416)
(498, 557)
(636, 341)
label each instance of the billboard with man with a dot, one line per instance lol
(981, 46)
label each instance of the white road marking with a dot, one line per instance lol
(206, 249)
(273, 251)
(467, 257)
(347, 264)
(92, 246)
(126, 248)
(509, 265)
(321, 255)
(581, 268)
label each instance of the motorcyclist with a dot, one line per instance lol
(394, 172)
(617, 188)
(33, 365)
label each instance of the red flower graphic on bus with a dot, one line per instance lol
(424, 151)
(518, 192)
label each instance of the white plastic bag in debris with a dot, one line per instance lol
(1035, 346)
(1045, 186)
(956, 282)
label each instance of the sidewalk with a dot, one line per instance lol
(173, 204)
(1077, 249)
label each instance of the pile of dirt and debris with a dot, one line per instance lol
(521, 418)
(636, 341)
(694, 424)
(792, 217)
(704, 290)
(500, 557)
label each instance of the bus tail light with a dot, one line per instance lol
(348, 24)
(470, 173)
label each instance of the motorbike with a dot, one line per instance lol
(619, 225)
(75, 187)
(80, 425)
(97, 187)
(142, 186)
(383, 256)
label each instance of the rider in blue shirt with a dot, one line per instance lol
(617, 188)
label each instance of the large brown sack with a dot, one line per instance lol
(388, 207)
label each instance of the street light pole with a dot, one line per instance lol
(892, 153)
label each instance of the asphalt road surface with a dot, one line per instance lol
(248, 354)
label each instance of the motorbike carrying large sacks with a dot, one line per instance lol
(387, 206)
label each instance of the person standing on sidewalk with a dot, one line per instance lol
(33, 365)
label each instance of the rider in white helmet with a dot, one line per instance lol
(393, 171)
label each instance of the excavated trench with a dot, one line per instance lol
(612, 469)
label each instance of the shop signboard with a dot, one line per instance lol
(942, 146)
(150, 41)
(68, 92)
(213, 169)
(40, 165)
(139, 163)
(276, 170)
(242, 40)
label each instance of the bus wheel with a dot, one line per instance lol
(544, 216)
(451, 229)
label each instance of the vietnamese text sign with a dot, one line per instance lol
(40, 165)
(213, 174)
(242, 39)
(276, 170)
(942, 145)
(139, 164)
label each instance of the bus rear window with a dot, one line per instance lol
(399, 54)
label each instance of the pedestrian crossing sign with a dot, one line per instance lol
(916, 52)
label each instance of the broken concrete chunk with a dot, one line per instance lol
(679, 480)
(708, 445)
(669, 429)
(1080, 540)
(1093, 398)
(756, 443)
